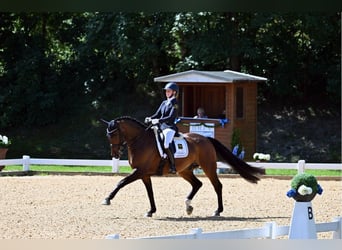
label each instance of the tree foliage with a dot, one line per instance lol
(36, 58)
(52, 62)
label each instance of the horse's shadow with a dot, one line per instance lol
(220, 218)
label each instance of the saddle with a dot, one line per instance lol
(179, 146)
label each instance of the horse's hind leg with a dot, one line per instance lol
(212, 175)
(196, 185)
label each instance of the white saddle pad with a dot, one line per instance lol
(182, 149)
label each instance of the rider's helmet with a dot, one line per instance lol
(172, 85)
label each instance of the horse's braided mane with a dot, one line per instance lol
(131, 119)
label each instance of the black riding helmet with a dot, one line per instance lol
(172, 85)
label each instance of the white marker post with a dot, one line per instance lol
(304, 188)
(302, 222)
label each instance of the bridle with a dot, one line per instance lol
(120, 145)
(122, 140)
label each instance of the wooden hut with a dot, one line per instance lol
(229, 99)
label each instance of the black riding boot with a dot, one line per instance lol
(171, 157)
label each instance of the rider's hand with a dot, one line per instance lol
(148, 119)
(155, 121)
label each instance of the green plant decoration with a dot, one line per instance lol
(304, 187)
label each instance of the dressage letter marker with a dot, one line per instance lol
(302, 222)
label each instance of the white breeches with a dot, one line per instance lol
(168, 135)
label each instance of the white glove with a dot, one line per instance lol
(155, 121)
(148, 119)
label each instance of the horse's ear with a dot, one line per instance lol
(104, 121)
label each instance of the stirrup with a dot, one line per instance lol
(172, 169)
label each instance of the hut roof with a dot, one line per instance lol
(196, 76)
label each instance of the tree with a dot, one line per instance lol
(35, 49)
(133, 49)
(50, 62)
(298, 53)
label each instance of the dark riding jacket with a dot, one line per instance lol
(167, 114)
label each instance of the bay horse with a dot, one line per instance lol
(144, 158)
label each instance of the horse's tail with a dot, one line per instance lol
(247, 171)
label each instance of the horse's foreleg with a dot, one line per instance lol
(127, 180)
(148, 185)
(196, 184)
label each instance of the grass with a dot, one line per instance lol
(315, 172)
(127, 169)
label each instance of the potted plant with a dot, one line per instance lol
(4, 144)
(304, 187)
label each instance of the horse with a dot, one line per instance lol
(144, 159)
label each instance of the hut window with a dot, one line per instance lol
(239, 102)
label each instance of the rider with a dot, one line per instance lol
(166, 116)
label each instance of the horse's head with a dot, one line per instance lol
(123, 130)
(115, 138)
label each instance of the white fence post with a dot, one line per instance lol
(272, 227)
(196, 232)
(301, 166)
(338, 233)
(26, 162)
(115, 165)
(113, 237)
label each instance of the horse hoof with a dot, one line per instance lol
(148, 214)
(189, 210)
(106, 202)
(216, 214)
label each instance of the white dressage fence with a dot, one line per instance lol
(26, 161)
(269, 231)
